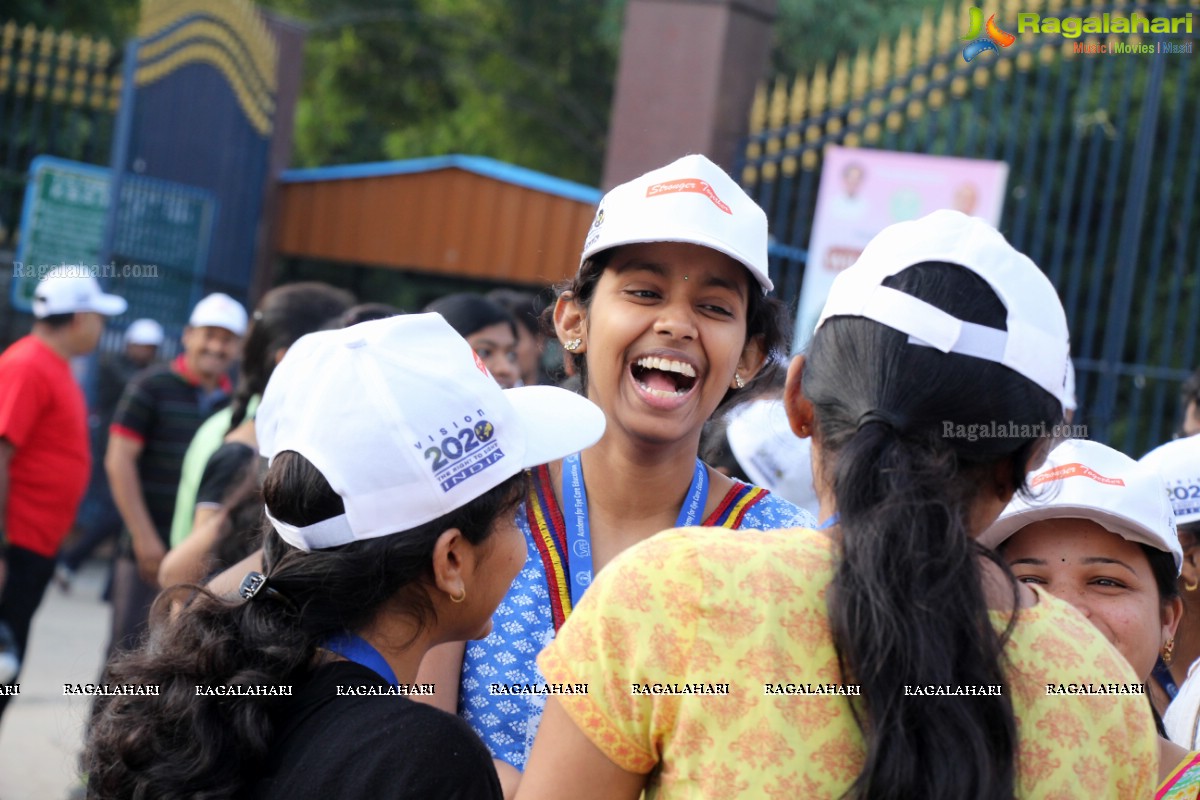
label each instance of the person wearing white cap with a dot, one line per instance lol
(395, 464)
(1098, 532)
(44, 455)
(224, 448)
(159, 413)
(667, 317)
(1178, 462)
(884, 654)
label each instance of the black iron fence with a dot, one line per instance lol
(58, 96)
(1104, 162)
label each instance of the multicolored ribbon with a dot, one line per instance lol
(550, 532)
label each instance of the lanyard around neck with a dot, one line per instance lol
(578, 525)
(353, 647)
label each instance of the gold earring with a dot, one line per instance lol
(572, 344)
(462, 596)
(738, 381)
(1191, 586)
(1168, 651)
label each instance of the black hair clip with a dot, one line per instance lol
(252, 584)
(256, 582)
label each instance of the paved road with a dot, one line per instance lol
(42, 731)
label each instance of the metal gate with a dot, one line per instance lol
(58, 94)
(1103, 151)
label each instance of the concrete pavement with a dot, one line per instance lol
(41, 733)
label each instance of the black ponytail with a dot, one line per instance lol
(283, 316)
(178, 744)
(907, 606)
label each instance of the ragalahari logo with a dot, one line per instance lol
(983, 38)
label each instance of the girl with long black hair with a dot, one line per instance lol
(391, 531)
(886, 654)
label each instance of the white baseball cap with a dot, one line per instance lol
(1069, 401)
(69, 289)
(689, 200)
(1036, 342)
(769, 453)
(144, 331)
(1178, 463)
(1087, 480)
(219, 311)
(406, 424)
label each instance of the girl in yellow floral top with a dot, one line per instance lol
(888, 655)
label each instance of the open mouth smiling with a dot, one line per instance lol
(664, 377)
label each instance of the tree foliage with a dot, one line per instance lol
(813, 32)
(519, 80)
(524, 81)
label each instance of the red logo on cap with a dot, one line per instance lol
(1071, 471)
(688, 185)
(479, 363)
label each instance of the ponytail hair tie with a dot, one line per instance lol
(879, 417)
(255, 583)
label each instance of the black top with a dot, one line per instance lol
(225, 468)
(371, 747)
(114, 372)
(162, 408)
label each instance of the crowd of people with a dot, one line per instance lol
(393, 560)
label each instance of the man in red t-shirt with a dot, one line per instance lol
(44, 458)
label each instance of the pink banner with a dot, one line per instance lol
(864, 191)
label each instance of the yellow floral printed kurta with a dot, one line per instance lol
(701, 609)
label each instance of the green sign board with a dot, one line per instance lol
(163, 228)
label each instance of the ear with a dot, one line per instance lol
(753, 357)
(1172, 613)
(454, 562)
(1190, 575)
(1037, 457)
(570, 320)
(800, 410)
(1002, 471)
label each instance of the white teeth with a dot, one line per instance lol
(660, 392)
(666, 365)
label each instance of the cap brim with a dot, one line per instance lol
(109, 305)
(1122, 526)
(557, 422)
(223, 324)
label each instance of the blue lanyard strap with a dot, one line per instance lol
(579, 529)
(829, 523)
(1163, 675)
(353, 647)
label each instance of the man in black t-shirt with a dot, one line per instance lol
(154, 423)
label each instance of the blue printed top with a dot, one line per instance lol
(499, 694)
